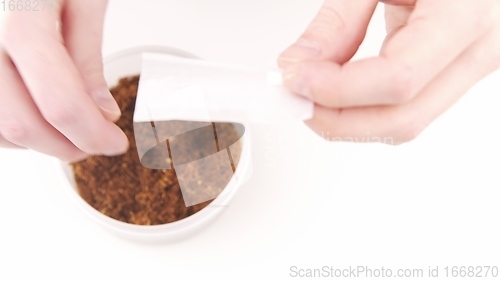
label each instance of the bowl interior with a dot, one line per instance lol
(128, 63)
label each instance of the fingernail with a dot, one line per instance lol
(116, 151)
(294, 80)
(107, 103)
(302, 50)
(121, 146)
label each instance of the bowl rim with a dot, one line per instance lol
(169, 229)
(146, 49)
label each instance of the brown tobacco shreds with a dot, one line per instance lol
(121, 188)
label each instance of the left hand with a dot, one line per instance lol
(435, 51)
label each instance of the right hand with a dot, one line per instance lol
(434, 52)
(54, 98)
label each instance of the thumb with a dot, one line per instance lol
(82, 31)
(334, 34)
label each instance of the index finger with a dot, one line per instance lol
(7, 144)
(334, 34)
(436, 34)
(36, 47)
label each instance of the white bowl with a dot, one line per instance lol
(128, 63)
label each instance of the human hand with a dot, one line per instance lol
(434, 52)
(54, 98)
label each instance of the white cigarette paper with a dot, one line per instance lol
(173, 88)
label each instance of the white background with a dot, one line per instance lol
(310, 203)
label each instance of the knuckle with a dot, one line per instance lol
(93, 145)
(409, 135)
(407, 129)
(16, 132)
(63, 118)
(89, 62)
(402, 96)
(59, 116)
(92, 70)
(405, 87)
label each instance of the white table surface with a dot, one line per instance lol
(310, 203)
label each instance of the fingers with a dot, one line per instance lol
(334, 34)
(373, 81)
(55, 84)
(7, 144)
(424, 43)
(83, 23)
(400, 2)
(396, 17)
(436, 34)
(21, 125)
(402, 123)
